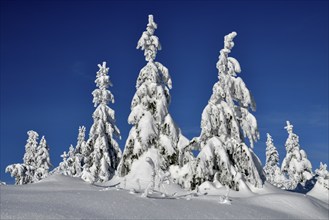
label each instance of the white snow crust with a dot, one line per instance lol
(64, 197)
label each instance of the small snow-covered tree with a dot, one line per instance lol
(322, 176)
(63, 167)
(73, 161)
(36, 161)
(21, 173)
(31, 148)
(79, 151)
(102, 150)
(42, 160)
(24, 173)
(226, 122)
(81, 141)
(154, 133)
(272, 170)
(183, 173)
(295, 166)
(71, 164)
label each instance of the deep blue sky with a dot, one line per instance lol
(50, 51)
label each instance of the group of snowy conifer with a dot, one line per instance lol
(36, 161)
(154, 139)
(296, 170)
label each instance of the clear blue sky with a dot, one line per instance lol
(50, 51)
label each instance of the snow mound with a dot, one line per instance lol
(63, 197)
(209, 188)
(319, 192)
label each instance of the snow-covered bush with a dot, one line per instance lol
(271, 168)
(36, 161)
(226, 122)
(102, 152)
(154, 132)
(295, 166)
(21, 172)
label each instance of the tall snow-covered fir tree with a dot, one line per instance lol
(272, 170)
(154, 133)
(226, 122)
(104, 152)
(295, 166)
(42, 160)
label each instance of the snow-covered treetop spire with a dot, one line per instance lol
(226, 64)
(149, 42)
(289, 127)
(269, 138)
(102, 95)
(272, 155)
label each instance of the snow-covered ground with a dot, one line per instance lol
(62, 197)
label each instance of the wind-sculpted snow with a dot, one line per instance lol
(63, 197)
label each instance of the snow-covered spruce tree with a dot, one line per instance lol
(154, 133)
(103, 152)
(81, 141)
(226, 122)
(295, 166)
(74, 162)
(42, 160)
(271, 168)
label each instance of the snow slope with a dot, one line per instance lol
(319, 192)
(62, 197)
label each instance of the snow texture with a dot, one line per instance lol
(321, 188)
(63, 197)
